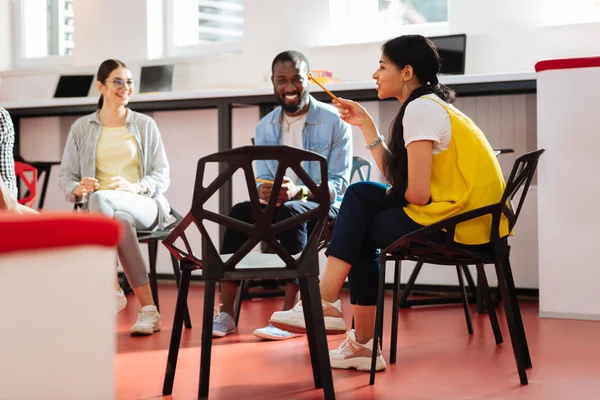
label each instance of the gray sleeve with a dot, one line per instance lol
(157, 178)
(7, 141)
(70, 169)
(340, 160)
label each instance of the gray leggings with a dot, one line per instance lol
(134, 211)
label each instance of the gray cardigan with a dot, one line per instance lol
(79, 157)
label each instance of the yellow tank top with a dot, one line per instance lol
(464, 177)
(117, 154)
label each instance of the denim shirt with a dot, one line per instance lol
(324, 133)
(79, 157)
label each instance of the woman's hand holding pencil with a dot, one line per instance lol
(353, 113)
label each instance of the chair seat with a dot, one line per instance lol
(259, 260)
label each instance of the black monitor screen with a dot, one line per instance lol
(73, 86)
(157, 78)
(452, 52)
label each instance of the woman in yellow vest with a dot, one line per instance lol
(438, 163)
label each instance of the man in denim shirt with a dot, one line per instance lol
(301, 121)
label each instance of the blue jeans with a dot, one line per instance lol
(368, 220)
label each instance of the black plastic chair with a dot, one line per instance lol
(420, 246)
(361, 167)
(215, 268)
(475, 292)
(151, 238)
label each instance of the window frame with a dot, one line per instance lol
(22, 62)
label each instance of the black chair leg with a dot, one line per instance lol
(480, 295)
(152, 252)
(395, 311)
(182, 295)
(378, 317)
(470, 281)
(485, 289)
(125, 285)
(409, 286)
(205, 352)
(517, 312)
(306, 297)
(242, 289)
(177, 273)
(317, 336)
(512, 329)
(463, 292)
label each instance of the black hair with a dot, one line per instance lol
(420, 53)
(104, 72)
(289, 56)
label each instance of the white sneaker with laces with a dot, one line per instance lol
(352, 354)
(293, 320)
(270, 332)
(223, 323)
(121, 301)
(148, 322)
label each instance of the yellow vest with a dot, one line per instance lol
(464, 177)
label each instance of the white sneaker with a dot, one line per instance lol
(352, 354)
(148, 322)
(223, 323)
(293, 320)
(121, 300)
(270, 332)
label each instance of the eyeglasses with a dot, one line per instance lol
(120, 83)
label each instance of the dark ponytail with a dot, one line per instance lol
(104, 72)
(420, 53)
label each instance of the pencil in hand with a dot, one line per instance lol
(262, 180)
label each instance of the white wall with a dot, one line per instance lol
(110, 29)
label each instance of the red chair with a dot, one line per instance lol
(28, 175)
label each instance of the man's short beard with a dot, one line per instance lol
(293, 108)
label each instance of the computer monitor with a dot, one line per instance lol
(73, 86)
(452, 51)
(157, 78)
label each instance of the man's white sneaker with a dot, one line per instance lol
(121, 301)
(270, 332)
(352, 354)
(148, 322)
(293, 320)
(223, 323)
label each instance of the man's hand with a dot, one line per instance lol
(289, 191)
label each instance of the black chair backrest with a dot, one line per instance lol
(263, 228)
(435, 242)
(520, 177)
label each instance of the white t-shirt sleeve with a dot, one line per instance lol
(426, 119)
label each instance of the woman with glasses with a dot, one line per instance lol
(115, 163)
